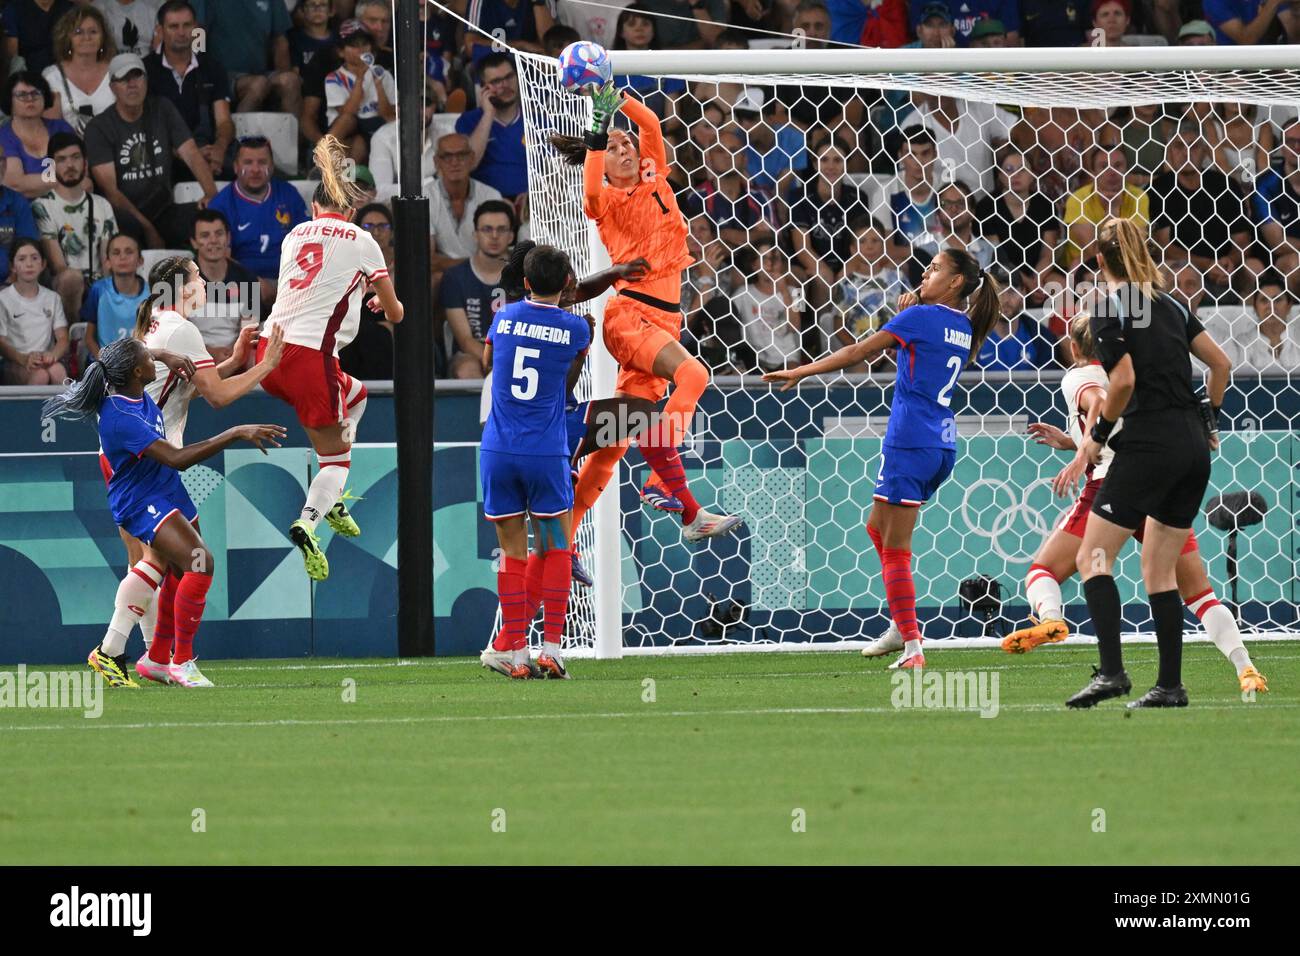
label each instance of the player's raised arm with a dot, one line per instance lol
(652, 134)
(846, 357)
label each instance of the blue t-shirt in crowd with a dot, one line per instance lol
(1219, 12)
(1022, 351)
(533, 348)
(113, 312)
(910, 219)
(462, 289)
(126, 428)
(16, 222)
(1275, 202)
(504, 166)
(764, 169)
(515, 23)
(933, 347)
(13, 146)
(258, 226)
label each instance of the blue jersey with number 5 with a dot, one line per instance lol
(933, 347)
(533, 347)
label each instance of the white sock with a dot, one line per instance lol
(134, 595)
(912, 647)
(1222, 628)
(327, 487)
(355, 411)
(1044, 593)
(149, 622)
(520, 658)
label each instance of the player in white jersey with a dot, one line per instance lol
(176, 281)
(326, 266)
(1084, 390)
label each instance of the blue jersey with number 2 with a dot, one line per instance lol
(533, 347)
(933, 347)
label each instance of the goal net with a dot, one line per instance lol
(813, 199)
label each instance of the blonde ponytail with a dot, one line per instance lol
(1123, 246)
(338, 189)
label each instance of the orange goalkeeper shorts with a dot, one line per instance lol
(635, 332)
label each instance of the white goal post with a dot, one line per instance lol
(799, 468)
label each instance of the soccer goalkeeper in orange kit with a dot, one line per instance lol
(626, 192)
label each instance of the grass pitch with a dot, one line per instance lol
(434, 759)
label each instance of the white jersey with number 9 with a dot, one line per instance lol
(324, 264)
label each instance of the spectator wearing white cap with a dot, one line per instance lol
(130, 149)
(1196, 33)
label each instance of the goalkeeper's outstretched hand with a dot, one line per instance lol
(605, 102)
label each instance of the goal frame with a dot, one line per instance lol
(799, 63)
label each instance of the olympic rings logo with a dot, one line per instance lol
(1005, 519)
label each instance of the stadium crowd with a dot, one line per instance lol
(136, 126)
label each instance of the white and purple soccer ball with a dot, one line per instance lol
(584, 64)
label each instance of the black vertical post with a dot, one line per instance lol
(413, 363)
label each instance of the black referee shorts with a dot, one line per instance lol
(1161, 470)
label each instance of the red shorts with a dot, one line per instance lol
(634, 334)
(105, 469)
(1076, 519)
(312, 382)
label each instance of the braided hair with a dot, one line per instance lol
(112, 370)
(166, 280)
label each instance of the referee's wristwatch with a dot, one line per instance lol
(1101, 430)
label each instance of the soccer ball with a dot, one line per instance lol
(584, 64)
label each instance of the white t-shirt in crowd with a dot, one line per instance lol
(131, 24)
(338, 87)
(30, 324)
(455, 237)
(765, 318)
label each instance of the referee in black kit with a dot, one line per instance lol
(1161, 468)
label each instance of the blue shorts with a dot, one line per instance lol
(524, 484)
(910, 476)
(575, 419)
(144, 521)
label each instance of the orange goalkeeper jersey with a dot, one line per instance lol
(643, 221)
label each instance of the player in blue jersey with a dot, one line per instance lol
(532, 347)
(577, 414)
(938, 333)
(145, 492)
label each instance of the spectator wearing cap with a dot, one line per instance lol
(241, 34)
(25, 139)
(496, 128)
(75, 225)
(774, 149)
(454, 196)
(1196, 33)
(1051, 22)
(29, 31)
(1112, 18)
(131, 23)
(687, 24)
(195, 83)
(519, 23)
(1251, 22)
(260, 210)
(934, 28)
(359, 95)
(130, 149)
(79, 76)
(988, 33)
(964, 16)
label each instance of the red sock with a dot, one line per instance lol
(667, 464)
(556, 582)
(878, 541)
(514, 599)
(533, 584)
(164, 632)
(901, 591)
(191, 597)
